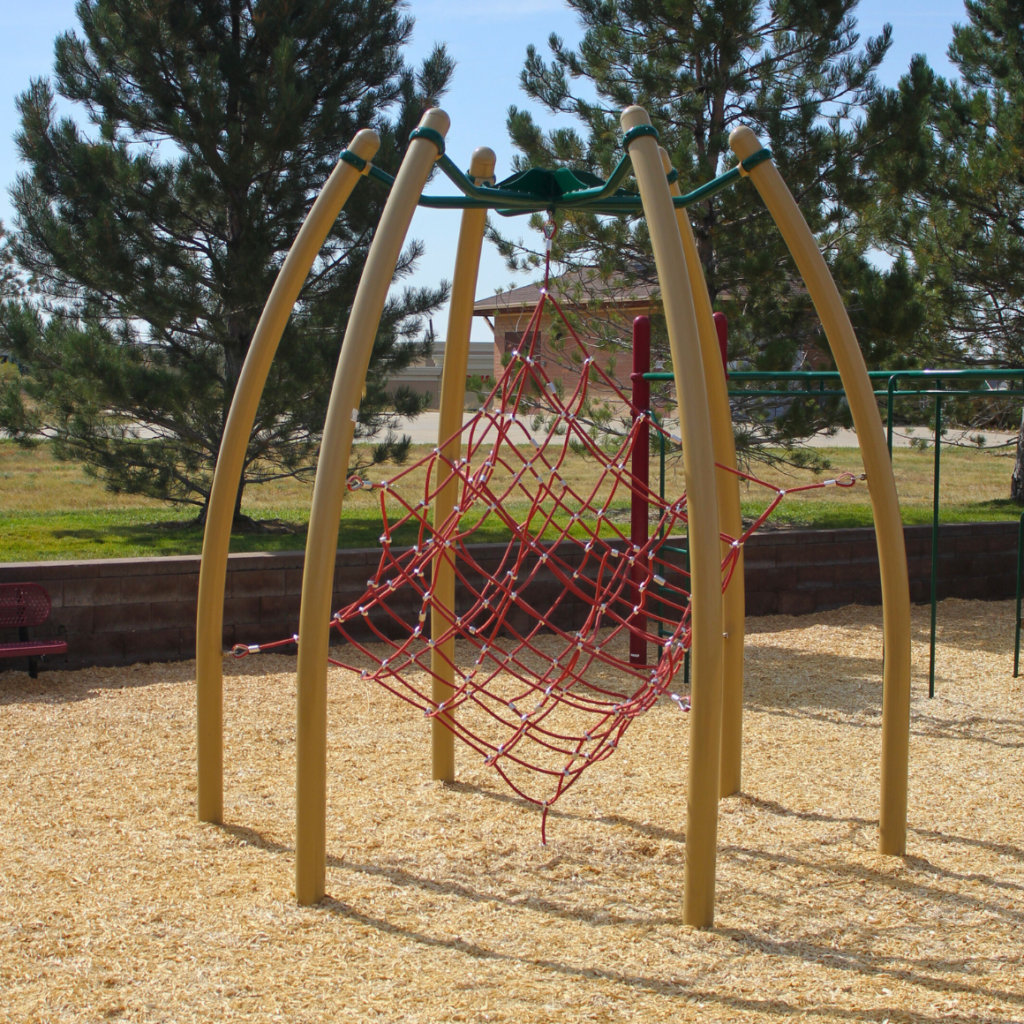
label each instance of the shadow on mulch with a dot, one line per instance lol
(67, 686)
(918, 971)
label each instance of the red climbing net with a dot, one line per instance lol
(537, 643)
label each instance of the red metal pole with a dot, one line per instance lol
(722, 327)
(638, 518)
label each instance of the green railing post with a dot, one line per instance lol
(1020, 570)
(889, 402)
(935, 542)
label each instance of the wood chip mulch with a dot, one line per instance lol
(115, 904)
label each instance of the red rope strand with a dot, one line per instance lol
(530, 710)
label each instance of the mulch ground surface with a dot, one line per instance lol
(115, 904)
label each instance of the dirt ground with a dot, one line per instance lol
(443, 906)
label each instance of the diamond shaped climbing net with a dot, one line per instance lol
(543, 687)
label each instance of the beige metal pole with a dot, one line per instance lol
(231, 459)
(892, 554)
(325, 513)
(703, 540)
(451, 404)
(730, 518)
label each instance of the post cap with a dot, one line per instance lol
(743, 142)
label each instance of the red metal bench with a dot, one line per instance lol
(23, 605)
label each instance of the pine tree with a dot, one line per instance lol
(10, 289)
(796, 73)
(154, 233)
(954, 180)
(11, 286)
(954, 191)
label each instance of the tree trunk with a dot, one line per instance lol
(237, 518)
(1017, 480)
(238, 500)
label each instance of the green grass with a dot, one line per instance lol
(827, 515)
(136, 533)
(141, 533)
(53, 510)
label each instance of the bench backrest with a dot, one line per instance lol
(23, 604)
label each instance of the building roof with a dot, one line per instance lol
(478, 351)
(598, 293)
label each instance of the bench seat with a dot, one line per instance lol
(23, 605)
(32, 648)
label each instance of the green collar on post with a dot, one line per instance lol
(637, 132)
(429, 133)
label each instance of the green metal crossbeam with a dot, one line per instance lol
(539, 190)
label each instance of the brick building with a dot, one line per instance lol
(596, 313)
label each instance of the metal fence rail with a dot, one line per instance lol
(924, 383)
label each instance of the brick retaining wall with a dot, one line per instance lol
(119, 611)
(797, 572)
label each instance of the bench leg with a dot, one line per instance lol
(33, 663)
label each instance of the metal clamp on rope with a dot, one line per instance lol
(549, 231)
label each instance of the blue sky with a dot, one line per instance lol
(488, 41)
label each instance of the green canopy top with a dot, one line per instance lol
(538, 189)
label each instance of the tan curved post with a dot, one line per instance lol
(451, 404)
(730, 518)
(230, 461)
(702, 506)
(325, 511)
(892, 555)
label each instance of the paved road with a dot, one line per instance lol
(423, 430)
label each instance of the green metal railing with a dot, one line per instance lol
(940, 377)
(935, 382)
